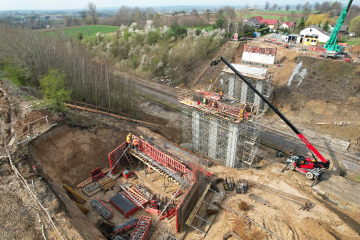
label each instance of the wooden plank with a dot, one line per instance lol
(89, 180)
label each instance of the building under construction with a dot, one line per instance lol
(224, 129)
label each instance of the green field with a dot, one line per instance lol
(265, 16)
(86, 30)
(284, 11)
(351, 43)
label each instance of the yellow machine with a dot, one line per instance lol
(310, 40)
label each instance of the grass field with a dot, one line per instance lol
(284, 11)
(86, 30)
(351, 43)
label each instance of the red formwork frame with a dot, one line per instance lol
(196, 167)
(97, 174)
(144, 222)
(255, 49)
(114, 157)
(165, 160)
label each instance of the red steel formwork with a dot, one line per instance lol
(114, 157)
(165, 160)
(142, 228)
(255, 49)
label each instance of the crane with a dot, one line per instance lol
(311, 168)
(331, 47)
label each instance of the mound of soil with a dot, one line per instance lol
(356, 48)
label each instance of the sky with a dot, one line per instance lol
(6, 5)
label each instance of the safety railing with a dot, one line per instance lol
(165, 160)
(222, 110)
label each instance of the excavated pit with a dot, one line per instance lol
(67, 155)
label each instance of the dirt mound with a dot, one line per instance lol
(356, 48)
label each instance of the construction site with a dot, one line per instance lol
(218, 167)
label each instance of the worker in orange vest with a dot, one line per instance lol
(135, 143)
(128, 139)
(221, 95)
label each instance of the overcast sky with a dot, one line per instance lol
(73, 4)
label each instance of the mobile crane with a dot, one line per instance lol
(310, 167)
(332, 49)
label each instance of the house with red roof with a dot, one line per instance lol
(290, 25)
(272, 23)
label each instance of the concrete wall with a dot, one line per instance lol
(257, 57)
(232, 145)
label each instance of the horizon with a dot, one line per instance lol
(41, 5)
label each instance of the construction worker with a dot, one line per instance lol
(128, 139)
(205, 101)
(221, 95)
(135, 143)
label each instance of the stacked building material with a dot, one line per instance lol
(123, 205)
(107, 184)
(123, 237)
(127, 226)
(102, 209)
(142, 228)
(134, 195)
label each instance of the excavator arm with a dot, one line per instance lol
(331, 43)
(324, 162)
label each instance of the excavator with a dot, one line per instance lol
(333, 49)
(313, 167)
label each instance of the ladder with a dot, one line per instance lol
(130, 159)
(141, 228)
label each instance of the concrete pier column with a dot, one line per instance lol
(195, 130)
(232, 79)
(259, 87)
(244, 90)
(212, 138)
(232, 145)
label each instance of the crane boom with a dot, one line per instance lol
(325, 163)
(331, 43)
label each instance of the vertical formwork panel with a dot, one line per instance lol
(195, 130)
(213, 129)
(222, 143)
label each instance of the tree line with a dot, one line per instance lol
(28, 57)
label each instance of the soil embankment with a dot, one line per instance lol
(323, 95)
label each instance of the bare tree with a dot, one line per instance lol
(317, 6)
(287, 7)
(255, 6)
(267, 6)
(298, 7)
(274, 7)
(207, 13)
(325, 7)
(195, 13)
(91, 10)
(83, 15)
(279, 7)
(307, 6)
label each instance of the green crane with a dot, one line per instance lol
(331, 45)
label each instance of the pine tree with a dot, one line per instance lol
(320, 24)
(326, 26)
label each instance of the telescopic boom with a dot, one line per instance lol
(312, 149)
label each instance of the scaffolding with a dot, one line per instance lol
(219, 140)
(225, 130)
